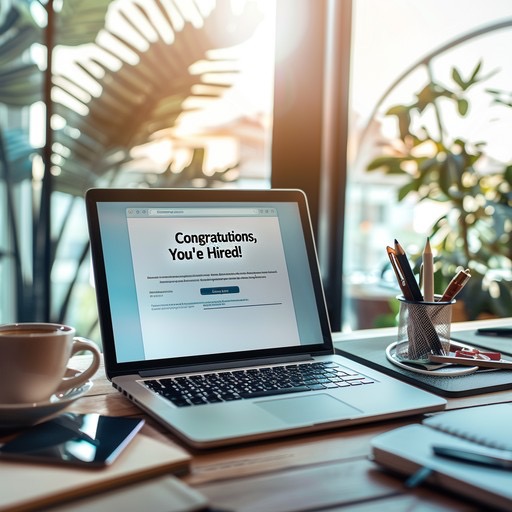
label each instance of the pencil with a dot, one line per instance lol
(428, 273)
(420, 328)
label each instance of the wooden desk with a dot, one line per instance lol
(326, 471)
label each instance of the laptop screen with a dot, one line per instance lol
(188, 279)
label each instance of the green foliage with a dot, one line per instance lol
(476, 231)
(134, 102)
(388, 319)
(80, 21)
(139, 103)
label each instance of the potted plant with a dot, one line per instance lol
(475, 231)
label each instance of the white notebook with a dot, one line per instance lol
(490, 425)
(487, 428)
(26, 486)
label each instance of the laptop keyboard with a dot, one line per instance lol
(184, 391)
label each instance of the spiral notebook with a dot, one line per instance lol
(485, 428)
(489, 425)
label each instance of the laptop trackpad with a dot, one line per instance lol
(308, 409)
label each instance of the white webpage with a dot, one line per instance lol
(211, 284)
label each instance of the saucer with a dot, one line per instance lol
(24, 415)
(436, 370)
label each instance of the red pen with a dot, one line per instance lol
(475, 354)
(455, 285)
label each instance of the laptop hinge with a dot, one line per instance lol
(224, 366)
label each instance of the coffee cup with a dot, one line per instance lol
(34, 361)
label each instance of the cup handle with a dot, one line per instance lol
(80, 344)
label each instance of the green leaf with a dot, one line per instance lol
(457, 78)
(428, 165)
(412, 186)
(397, 110)
(404, 123)
(425, 97)
(403, 115)
(20, 81)
(507, 174)
(474, 75)
(445, 177)
(388, 164)
(466, 84)
(18, 152)
(20, 86)
(80, 21)
(462, 106)
(16, 43)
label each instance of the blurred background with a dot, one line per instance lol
(394, 117)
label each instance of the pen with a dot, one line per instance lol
(428, 273)
(466, 361)
(494, 459)
(505, 332)
(398, 273)
(428, 332)
(407, 273)
(455, 285)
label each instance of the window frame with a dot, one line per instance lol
(310, 129)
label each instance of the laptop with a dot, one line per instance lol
(213, 319)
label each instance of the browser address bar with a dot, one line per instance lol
(200, 212)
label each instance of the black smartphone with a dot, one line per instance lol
(89, 440)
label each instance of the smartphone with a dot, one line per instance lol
(89, 440)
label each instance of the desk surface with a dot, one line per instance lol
(324, 471)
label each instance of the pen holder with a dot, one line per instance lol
(423, 329)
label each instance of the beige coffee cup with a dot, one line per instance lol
(34, 358)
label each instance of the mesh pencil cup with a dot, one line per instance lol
(423, 329)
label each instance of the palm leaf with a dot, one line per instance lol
(20, 82)
(137, 101)
(80, 21)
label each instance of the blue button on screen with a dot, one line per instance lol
(220, 290)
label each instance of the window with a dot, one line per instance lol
(153, 93)
(398, 48)
(207, 117)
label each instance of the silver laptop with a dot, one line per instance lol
(213, 318)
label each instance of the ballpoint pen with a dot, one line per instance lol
(505, 332)
(494, 458)
(398, 273)
(455, 285)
